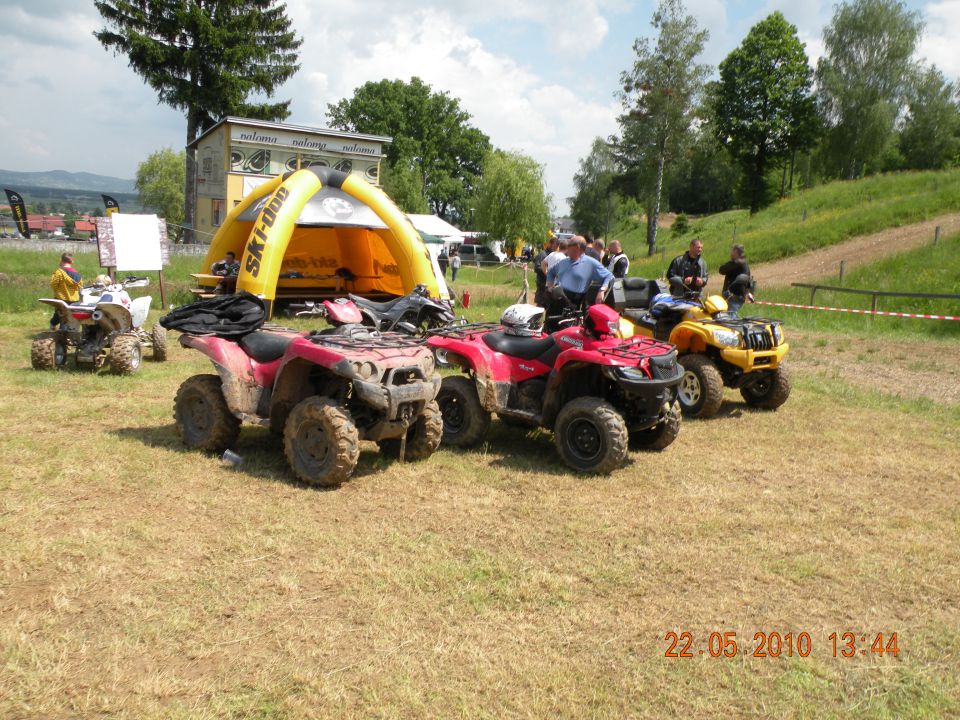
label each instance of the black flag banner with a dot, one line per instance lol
(19, 211)
(110, 204)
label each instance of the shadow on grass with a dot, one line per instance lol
(261, 451)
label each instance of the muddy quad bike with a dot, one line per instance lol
(413, 314)
(594, 390)
(323, 392)
(716, 347)
(104, 324)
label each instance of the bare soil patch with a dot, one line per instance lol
(895, 367)
(855, 252)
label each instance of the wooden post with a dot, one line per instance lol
(734, 232)
(873, 305)
(804, 219)
(936, 236)
(842, 263)
(163, 293)
(813, 293)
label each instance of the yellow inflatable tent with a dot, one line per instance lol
(319, 232)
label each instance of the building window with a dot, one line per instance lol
(217, 207)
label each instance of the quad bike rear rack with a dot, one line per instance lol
(462, 332)
(369, 340)
(636, 349)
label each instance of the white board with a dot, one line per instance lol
(137, 242)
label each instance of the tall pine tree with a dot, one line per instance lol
(205, 57)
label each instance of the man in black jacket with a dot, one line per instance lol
(541, 275)
(688, 272)
(737, 282)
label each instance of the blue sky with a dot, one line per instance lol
(537, 75)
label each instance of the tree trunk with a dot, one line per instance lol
(757, 191)
(190, 183)
(655, 209)
(783, 181)
(793, 158)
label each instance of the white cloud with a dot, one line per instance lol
(939, 43)
(509, 102)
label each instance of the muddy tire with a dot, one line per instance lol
(125, 354)
(203, 420)
(465, 422)
(700, 391)
(591, 436)
(321, 442)
(769, 392)
(48, 353)
(660, 435)
(423, 437)
(158, 336)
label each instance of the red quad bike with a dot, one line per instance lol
(323, 391)
(594, 390)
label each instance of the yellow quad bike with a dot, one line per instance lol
(716, 348)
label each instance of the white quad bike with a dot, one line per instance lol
(104, 323)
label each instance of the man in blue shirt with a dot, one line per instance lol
(576, 273)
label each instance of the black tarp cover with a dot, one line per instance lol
(226, 316)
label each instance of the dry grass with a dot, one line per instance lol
(138, 580)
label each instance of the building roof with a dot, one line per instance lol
(84, 226)
(267, 125)
(44, 222)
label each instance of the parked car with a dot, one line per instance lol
(472, 253)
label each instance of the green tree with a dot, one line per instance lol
(762, 105)
(205, 57)
(429, 129)
(862, 79)
(403, 182)
(160, 185)
(930, 138)
(595, 202)
(704, 178)
(659, 98)
(511, 202)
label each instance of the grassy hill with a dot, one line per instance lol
(810, 219)
(929, 269)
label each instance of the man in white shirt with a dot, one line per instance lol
(556, 256)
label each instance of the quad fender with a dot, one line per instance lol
(243, 379)
(492, 371)
(139, 309)
(112, 317)
(691, 337)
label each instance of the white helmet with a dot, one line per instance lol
(522, 320)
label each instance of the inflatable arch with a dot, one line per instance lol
(390, 260)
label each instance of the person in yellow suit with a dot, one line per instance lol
(66, 283)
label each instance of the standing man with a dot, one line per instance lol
(560, 253)
(617, 261)
(442, 260)
(65, 283)
(737, 282)
(688, 272)
(576, 273)
(540, 273)
(454, 264)
(591, 250)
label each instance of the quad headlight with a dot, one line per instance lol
(777, 333)
(727, 337)
(632, 373)
(366, 370)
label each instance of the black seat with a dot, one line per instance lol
(265, 346)
(520, 347)
(661, 327)
(380, 307)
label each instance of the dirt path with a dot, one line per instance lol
(856, 251)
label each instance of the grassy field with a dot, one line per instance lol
(810, 219)
(139, 580)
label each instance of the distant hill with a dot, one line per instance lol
(63, 180)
